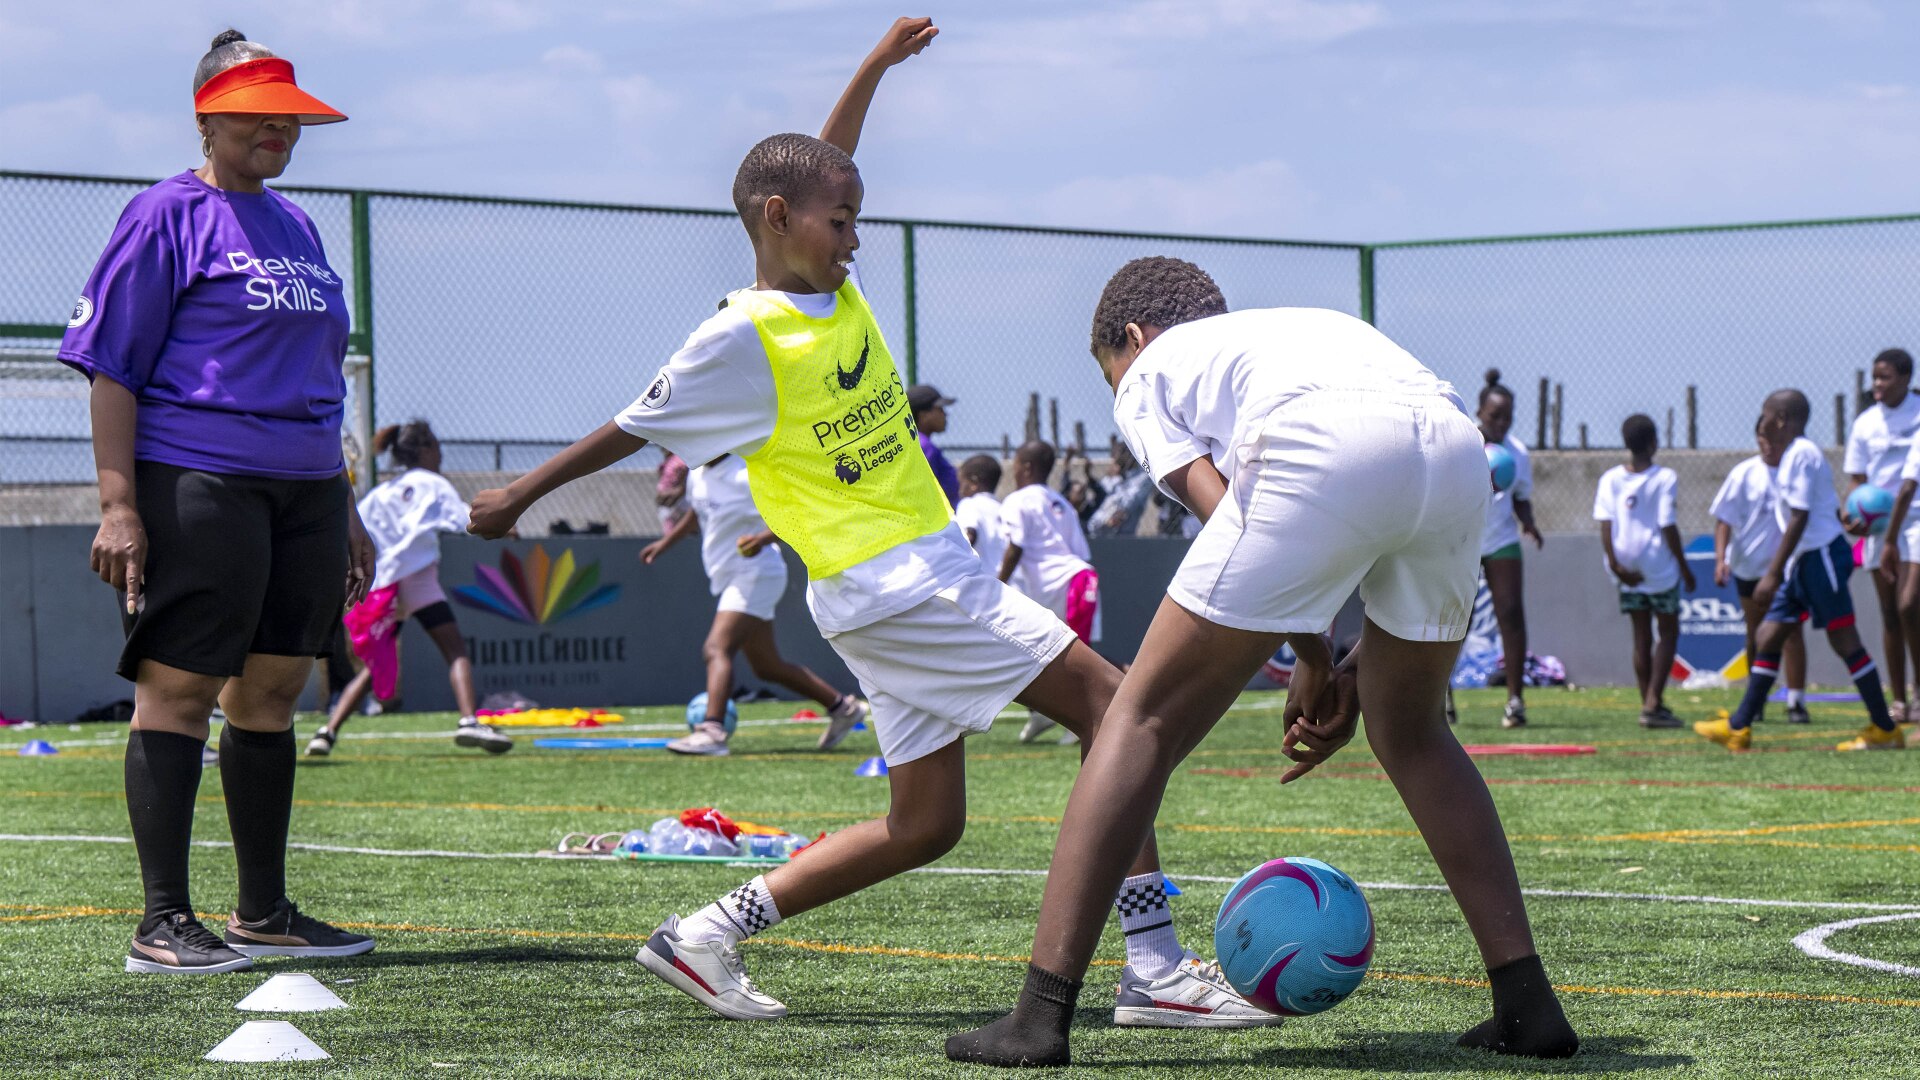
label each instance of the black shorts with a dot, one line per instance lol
(1745, 586)
(235, 565)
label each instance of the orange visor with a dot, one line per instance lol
(263, 87)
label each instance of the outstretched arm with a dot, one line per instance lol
(905, 38)
(496, 510)
(682, 525)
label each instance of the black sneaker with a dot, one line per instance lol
(1660, 718)
(179, 945)
(286, 932)
(1797, 714)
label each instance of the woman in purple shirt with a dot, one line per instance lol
(213, 331)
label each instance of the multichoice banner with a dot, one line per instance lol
(1713, 631)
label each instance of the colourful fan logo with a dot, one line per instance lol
(538, 591)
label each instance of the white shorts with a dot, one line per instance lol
(944, 668)
(1347, 489)
(754, 594)
(418, 590)
(1909, 546)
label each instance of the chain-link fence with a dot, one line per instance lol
(514, 326)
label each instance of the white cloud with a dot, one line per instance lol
(572, 58)
(1264, 198)
(84, 131)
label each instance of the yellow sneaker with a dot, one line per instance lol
(1872, 738)
(1721, 731)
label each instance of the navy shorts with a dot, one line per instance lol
(1816, 588)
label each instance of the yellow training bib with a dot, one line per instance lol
(843, 477)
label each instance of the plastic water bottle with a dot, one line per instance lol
(634, 843)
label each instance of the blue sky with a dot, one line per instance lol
(1317, 119)
(1377, 120)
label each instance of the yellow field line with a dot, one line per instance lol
(836, 948)
(1764, 830)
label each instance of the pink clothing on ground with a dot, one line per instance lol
(1083, 600)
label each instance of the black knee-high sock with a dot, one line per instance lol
(1761, 676)
(256, 769)
(1034, 1033)
(163, 778)
(1866, 679)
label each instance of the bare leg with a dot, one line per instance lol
(1909, 610)
(723, 640)
(453, 649)
(1642, 653)
(764, 656)
(350, 699)
(1793, 659)
(1662, 663)
(1893, 640)
(1509, 609)
(1754, 612)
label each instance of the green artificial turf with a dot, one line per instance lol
(523, 967)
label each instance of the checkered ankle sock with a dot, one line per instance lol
(742, 913)
(1153, 949)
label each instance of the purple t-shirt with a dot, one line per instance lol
(943, 470)
(219, 311)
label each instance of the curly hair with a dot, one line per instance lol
(1154, 291)
(407, 442)
(792, 166)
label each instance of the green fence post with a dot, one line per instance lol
(912, 305)
(1366, 282)
(361, 339)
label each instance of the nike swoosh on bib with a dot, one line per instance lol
(851, 379)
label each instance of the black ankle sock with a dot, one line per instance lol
(1033, 1034)
(256, 769)
(1527, 1019)
(162, 777)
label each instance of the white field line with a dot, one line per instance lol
(1814, 944)
(1911, 910)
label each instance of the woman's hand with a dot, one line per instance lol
(119, 553)
(360, 557)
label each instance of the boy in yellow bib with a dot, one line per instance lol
(794, 376)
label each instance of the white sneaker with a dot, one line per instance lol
(1035, 725)
(1194, 994)
(702, 742)
(709, 972)
(474, 734)
(840, 721)
(1069, 739)
(321, 744)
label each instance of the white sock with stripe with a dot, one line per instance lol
(1153, 949)
(741, 913)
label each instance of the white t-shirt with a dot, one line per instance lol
(716, 396)
(1053, 547)
(1640, 505)
(404, 518)
(1503, 529)
(980, 512)
(1804, 481)
(1745, 503)
(1205, 388)
(1880, 442)
(724, 505)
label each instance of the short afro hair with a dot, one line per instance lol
(1154, 291)
(1640, 434)
(1791, 404)
(792, 166)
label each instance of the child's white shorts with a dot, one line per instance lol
(757, 593)
(1909, 545)
(944, 668)
(1376, 490)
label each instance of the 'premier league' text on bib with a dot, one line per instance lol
(843, 477)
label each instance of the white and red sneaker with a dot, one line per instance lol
(709, 972)
(1194, 994)
(841, 718)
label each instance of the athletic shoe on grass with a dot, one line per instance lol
(1797, 714)
(1660, 718)
(1193, 994)
(287, 932)
(1035, 725)
(1721, 731)
(840, 721)
(181, 946)
(1516, 714)
(1872, 738)
(702, 742)
(473, 733)
(709, 972)
(321, 744)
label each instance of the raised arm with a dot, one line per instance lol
(496, 510)
(905, 38)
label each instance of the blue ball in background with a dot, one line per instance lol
(1504, 467)
(1872, 504)
(697, 713)
(1294, 936)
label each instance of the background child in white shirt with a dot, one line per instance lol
(1877, 445)
(1634, 506)
(1745, 537)
(978, 512)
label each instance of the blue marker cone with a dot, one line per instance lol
(1172, 889)
(43, 748)
(873, 766)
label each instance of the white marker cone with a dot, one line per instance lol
(267, 1040)
(291, 992)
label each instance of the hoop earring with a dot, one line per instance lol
(206, 145)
